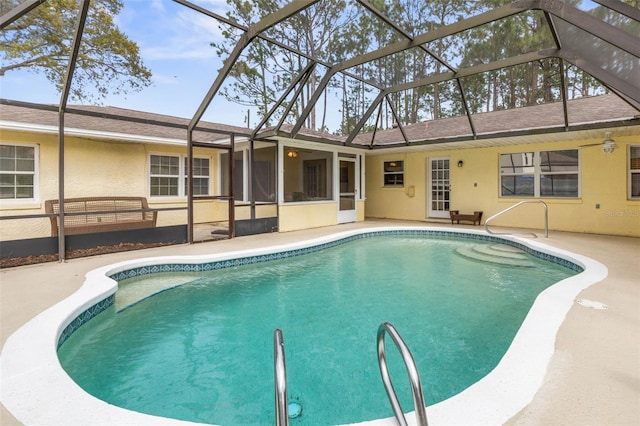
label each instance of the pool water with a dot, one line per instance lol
(203, 351)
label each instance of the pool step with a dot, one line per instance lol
(501, 254)
(501, 250)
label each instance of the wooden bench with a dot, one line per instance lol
(456, 216)
(101, 214)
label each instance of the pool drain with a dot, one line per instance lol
(295, 409)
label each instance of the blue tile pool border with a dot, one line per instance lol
(85, 317)
(229, 263)
(104, 304)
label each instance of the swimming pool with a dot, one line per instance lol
(529, 349)
(202, 350)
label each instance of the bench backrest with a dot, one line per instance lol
(96, 210)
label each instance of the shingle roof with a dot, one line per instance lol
(114, 120)
(605, 110)
(592, 110)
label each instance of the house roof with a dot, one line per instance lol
(589, 115)
(112, 122)
(584, 113)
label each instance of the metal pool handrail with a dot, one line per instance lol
(414, 378)
(280, 376)
(546, 217)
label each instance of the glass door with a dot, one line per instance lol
(439, 188)
(348, 191)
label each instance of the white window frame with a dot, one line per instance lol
(632, 172)
(532, 166)
(179, 184)
(181, 176)
(558, 173)
(385, 173)
(207, 177)
(35, 173)
(527, 166)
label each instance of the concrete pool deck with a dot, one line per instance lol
(592, 378)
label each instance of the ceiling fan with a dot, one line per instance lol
(608, 145)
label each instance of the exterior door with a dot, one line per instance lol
(348, 191)
(438, 198)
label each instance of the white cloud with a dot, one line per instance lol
(185, 35)
(217, 6)
(157, 5)
(161, 79)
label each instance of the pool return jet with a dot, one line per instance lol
(280, 376)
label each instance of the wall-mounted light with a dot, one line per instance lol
(608, 144)
(292, 153)
(460, 163)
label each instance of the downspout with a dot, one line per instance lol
(82, 18)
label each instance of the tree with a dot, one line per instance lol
(414, 17)
(336, 30)
(108, 62)
(264, 70)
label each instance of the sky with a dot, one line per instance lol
(175, 45)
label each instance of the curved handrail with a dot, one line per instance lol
(280, 375)
(546, 217)
(414, 378)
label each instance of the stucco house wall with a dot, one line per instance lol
(99, 168)
(117, 164)
(603, 206)
(111, 157)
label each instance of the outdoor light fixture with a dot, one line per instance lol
(460, 163)
(608, 144)
(292, 154)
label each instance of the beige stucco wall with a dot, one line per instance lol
(243, 211)
(475, 186)
(115, 168)
(360, 210)
(99, 168)
(307, 215)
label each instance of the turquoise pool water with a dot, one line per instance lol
(203, 351)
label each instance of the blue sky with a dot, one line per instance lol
(174, 43)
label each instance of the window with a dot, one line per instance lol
(165, 175)
(393, 173)
(200, 176)
(559, 173)
(18, 172)
(314, 178)
(634, 171)
(540, 174)
(167, 171)
(517, 174)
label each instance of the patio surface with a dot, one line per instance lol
(593, 377)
